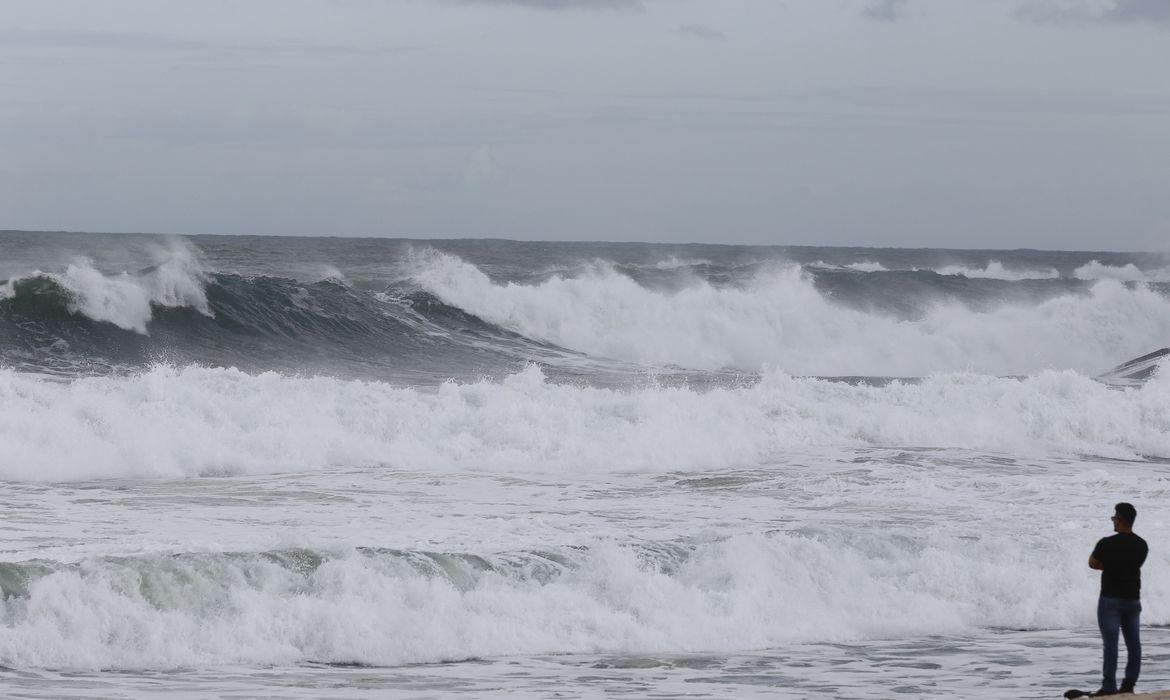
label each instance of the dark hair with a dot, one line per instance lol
(1125, 512)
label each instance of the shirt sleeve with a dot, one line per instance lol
(1099, 550)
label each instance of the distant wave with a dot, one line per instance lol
(1094, 270)
(674, 263)
(996, 270)
(195, 421)
(993, 270)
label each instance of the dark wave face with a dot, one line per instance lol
(420, 312)
(265, 323)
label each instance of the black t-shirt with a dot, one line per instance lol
(1121, 557)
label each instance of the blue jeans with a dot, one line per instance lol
(1115, 614)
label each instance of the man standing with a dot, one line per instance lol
(1119, 559)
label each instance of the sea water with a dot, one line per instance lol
(354, 467)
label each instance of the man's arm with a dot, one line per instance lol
(1097, 555)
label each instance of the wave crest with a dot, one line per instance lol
(126, 299)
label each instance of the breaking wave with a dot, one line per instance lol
(197, 421)
(125, 300)
(391, 607)
(781, 319)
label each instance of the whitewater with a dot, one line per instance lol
(357, 468)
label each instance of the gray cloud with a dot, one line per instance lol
(562, 4)
(567, 123)
(125, 41)
(699, 31)
(1139, 11)
(1086, 12)
(885, 10)
(1046, 12)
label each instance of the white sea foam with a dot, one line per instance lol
(996, 270)
(746, 592)
(125, 299)
(780, 320)
(169, 422)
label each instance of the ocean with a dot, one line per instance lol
(341, 467)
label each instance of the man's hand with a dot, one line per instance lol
(1094, 563)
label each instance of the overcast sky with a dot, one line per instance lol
(943, 123)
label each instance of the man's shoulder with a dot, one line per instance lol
(1123, 537)
(1129, 540)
